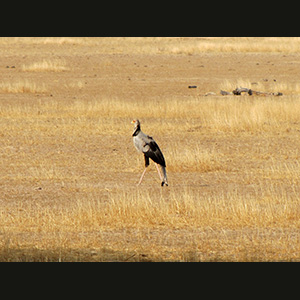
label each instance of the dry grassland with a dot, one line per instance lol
(69, 169)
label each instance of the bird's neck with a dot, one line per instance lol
(136, 131)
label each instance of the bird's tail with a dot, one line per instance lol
(165, 180)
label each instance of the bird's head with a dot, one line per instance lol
(137, 126)
(136, 123)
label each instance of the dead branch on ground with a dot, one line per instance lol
(238, 91)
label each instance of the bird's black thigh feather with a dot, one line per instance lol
(147, 162)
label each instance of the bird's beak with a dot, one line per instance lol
(133, 121)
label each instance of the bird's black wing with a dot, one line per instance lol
(155, 153)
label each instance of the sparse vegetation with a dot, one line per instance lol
(69, 169)
(46, 65)
(22, 86)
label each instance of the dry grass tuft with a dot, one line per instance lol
(22, 86)
(46, 65)
(193, 158)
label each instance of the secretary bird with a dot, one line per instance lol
(146, 144)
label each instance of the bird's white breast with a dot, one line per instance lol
(138, 143)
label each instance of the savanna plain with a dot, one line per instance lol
(69, 170)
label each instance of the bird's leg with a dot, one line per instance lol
(158, 172)
(146, 165)
(142, 176)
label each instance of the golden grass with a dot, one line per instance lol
(69, 169)
(191, 158)
(46, 65)
(22, 86)
(229, 114)
(222, 224)
(236, 44)
(167, 45)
